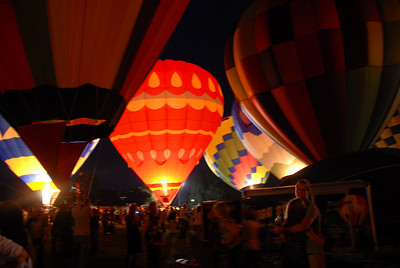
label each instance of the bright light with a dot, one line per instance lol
(49, 195)
(192, 200)
(293, 168)
(165, 188)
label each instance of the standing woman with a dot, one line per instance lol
(152, 236)
(294, 244)
(134, 241)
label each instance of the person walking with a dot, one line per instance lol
(230, 234)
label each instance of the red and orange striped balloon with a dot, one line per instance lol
(168, 124)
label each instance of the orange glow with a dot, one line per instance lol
(168, 124)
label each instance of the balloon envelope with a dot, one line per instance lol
(269, 153)
(353, 209)
(322, 75)
(78, 61)
(18, 157)
(167, 125)
(68, 68)
(230, 161)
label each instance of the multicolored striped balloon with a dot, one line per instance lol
(323, 76)
(269, 153)
(230, 161)
(20, 159)
(167, 125)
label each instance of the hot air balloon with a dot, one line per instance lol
(353, 209)
(21, 161)
(269, 153)
(231, 162)
(71, 66)
(322, 76)
(167, 125)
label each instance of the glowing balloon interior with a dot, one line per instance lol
(269, 153)
(167, 125)
(230, 161)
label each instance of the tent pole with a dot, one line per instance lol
(371, 217)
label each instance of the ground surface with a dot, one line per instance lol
(112, 252)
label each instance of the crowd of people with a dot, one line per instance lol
(220, 230)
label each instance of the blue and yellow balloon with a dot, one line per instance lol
(22, 162)
(230, 161)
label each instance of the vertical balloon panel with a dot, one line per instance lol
(85, 155)
(167, 125)
(230, 161)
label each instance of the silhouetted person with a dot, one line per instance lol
(81, 213)
(94, 231)
(133, 237)
(311, 221)
(63, 232)
(153, 236)
(184, 221)
(38, 227)
(251, 236)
